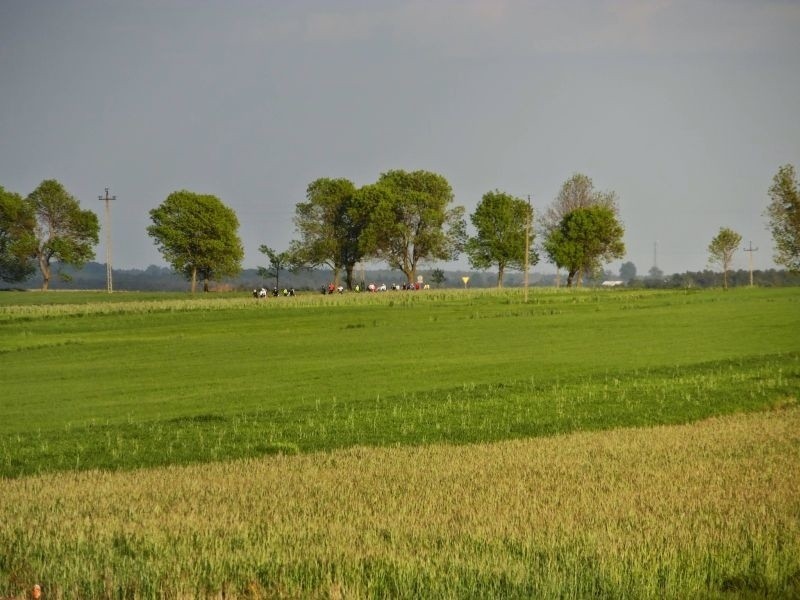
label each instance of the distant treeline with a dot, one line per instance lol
(705, 279)
(155, 278)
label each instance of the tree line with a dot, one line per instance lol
(405, 219)
(92, 276)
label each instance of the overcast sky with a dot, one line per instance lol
(685, 108)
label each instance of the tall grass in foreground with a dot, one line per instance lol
(710, 509)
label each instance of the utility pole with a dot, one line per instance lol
(655, 254)
(106, 199)
(527, 246)
(751, 250)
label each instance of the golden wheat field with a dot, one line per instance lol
(710, 509)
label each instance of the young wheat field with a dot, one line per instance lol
(439, 444)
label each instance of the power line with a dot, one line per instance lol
(107, 199)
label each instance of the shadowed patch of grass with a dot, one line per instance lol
(469, 413)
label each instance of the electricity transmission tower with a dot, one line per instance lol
(107, 199)
(655, 254)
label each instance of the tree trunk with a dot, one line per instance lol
(336, 276)
(205, 284)
(570, 277)
(499, 277)
(194, 279)
(348, 276)
(44, 267)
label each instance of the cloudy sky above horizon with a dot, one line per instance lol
(685, 108)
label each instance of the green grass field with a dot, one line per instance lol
(125, 381)
(155, 381)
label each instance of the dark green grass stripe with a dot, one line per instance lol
(464, 414)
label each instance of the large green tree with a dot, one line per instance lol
(359, 215)
(576, 192)
(784, 217)
(198, 236)
(721, 250)
(17, 223)
(61, 232)
(413, 221)
(501, 222)
(329, 234)
(584, 240)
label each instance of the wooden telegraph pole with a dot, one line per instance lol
(106, 199)
(527, 247)
(751, 250)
